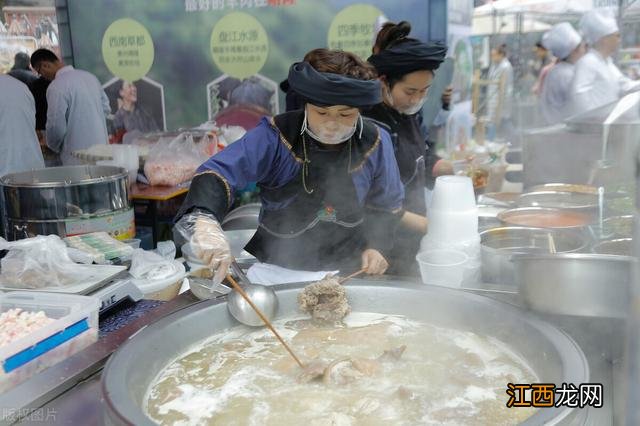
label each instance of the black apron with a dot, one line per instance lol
(409, 148)
(323, 229)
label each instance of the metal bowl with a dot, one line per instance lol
(539, 217)
(587, 285)
(619, 247)
(500, 244)
(552, 355)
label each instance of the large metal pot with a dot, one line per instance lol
(500, 244)
(588, 285)
(553, 356)
(65, 200)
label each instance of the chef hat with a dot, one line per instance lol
(598, 23)
(562, 39)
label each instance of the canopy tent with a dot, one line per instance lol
(537, 6)
(507, 24)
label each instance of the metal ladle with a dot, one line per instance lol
(262, 296)
(246, 297)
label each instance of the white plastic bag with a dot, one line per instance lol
(39, 262)
(174, 162)
(147, 265)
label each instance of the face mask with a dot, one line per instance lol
(407, 110)
(328, 136)
(414, 108)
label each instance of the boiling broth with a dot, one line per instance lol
(244, 377)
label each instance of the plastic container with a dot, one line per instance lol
(445, 268)
(469, 247)
(453, 194)
(75, 327)
(162, 289)
(453, 226)
(126, 156)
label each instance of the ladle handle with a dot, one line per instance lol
(245, 296)
(355, 274)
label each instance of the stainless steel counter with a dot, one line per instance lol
(70, 393)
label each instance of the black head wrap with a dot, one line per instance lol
(323, 88)
(407, 56)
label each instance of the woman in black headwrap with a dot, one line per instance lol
(406, 68)
(329, 183)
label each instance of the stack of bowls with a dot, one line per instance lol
(453, 240)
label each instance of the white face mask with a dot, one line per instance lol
(410, 110)
(330, 135)
(414, 108)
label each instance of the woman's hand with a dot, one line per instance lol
(373, 262)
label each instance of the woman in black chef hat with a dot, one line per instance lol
(406, 69)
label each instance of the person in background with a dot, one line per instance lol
(541, 66)
(21, 70)
(500, 70)
(329, 183)
(566, 44)
(437, 165)
(39, 91)
(130, 116)
(76, 106)
(406, 69)
(597, 80)
(19, 149)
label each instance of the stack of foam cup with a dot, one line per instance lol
(453, 222)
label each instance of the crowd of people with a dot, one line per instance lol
(69, 109)
(574, 69)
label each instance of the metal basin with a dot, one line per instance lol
(540, 217)
(500, 244)
(552, 355)
(588, 285)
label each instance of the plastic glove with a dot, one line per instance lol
(373, 262)
(208, 242)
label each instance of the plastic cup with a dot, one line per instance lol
(453, 193)
(442, 267)
(453, 226)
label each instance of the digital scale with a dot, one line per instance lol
(118, 289)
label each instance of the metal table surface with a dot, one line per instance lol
(81, 402)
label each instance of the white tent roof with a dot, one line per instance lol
(506, 24)
(540, 6)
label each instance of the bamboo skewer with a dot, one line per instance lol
(355, 274)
